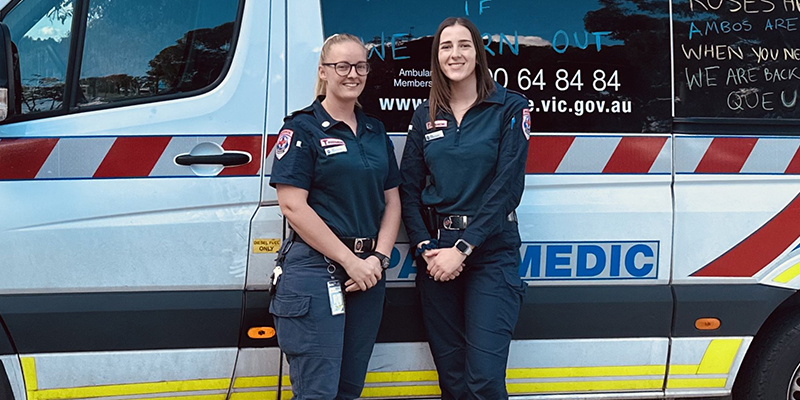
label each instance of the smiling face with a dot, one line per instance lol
(346, 88)
(457, 53)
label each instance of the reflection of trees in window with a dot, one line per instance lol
(195, 61)
(42, 72)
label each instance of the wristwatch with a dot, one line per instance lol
(463, 247)
(383, 258)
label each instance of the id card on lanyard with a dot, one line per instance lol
(335, 297)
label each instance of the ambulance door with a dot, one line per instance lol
(596, 215)
(128, 179)
(737, 197)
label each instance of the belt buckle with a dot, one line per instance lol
(358, 245)
(455, 222)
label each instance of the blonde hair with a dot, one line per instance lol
(321, 87)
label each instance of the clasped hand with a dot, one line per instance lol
(444, 264)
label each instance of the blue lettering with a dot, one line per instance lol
(630, 260)
(555, 42)
(597, 36)
(408, 267)
(395, 48)
(615, 257)
(531, 262)
(693, 29)
(583, 255)
(488, 38)
(585, 40)
(514, 48)
(484, 8)
(553, 261)
(378, 49)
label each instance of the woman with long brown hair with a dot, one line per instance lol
(336, 176)
(463, 174)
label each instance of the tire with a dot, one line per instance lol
(771, 370)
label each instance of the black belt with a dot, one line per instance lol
(460, 222)
(356, 245)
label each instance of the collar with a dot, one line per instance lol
(326, 122)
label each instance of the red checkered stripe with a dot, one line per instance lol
(737, 155)
(569, 154)
(114, 157)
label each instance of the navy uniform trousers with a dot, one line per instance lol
(470, 320)
(327, 354)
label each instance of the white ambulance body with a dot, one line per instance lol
(660, 221)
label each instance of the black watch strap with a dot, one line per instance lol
(383, 258)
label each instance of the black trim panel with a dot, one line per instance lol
(559, 312)
(742, 309)
(736, 126)
(44, 323)
(5, 384)
(6, 347)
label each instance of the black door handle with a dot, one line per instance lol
(227, 159)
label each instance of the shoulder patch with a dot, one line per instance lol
(282, 146)
(526, 123)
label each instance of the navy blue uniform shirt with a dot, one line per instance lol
(345, 174)
(475, 169)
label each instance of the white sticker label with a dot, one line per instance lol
(335, 150)
(434, 136)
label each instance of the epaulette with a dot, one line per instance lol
(307, 110)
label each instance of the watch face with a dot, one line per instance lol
(462, 246)
(385, 263)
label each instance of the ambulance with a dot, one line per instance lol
(660, 220)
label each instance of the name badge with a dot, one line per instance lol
(335, 150)
(440, 123)
(331, 142)
(335, 297)
(434, 136)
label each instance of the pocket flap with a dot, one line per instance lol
(290, 306)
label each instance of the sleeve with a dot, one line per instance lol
(294, 158)
(393, 178)
(508, 184)
(413, 174)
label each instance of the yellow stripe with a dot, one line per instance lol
(789, 274)
(402, 376)
(585, 372)
(255, 381)
(683, 369)
(584, 386)
(719, 356)
(29, 376)
(681, 383)
(192, 397)
(400, 391)
(260, 395)
(133, 389)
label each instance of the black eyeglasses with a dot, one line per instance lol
(343, 68)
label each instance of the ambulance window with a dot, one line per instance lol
(40, 30)
(137, 49)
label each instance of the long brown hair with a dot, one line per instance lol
(321, 87)
(439, 99)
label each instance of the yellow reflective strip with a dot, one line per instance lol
(788, 275)
(584, 386)
(260, 395)
(581, 372)
(719, 356)
(683, 369)
(286, 394)
(402, 376)
(191, 397)
(683, 383)
(400, 391)
(285, 381)
(133, 389)
(255, 381)
(29, 376)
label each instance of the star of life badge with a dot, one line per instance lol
(335, 297)
(282, 146)
(526, 123)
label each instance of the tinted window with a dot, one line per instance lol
(146, 48)
(40, 30)
(585, 65)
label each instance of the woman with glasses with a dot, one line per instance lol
(463, 174)
(336, 176)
